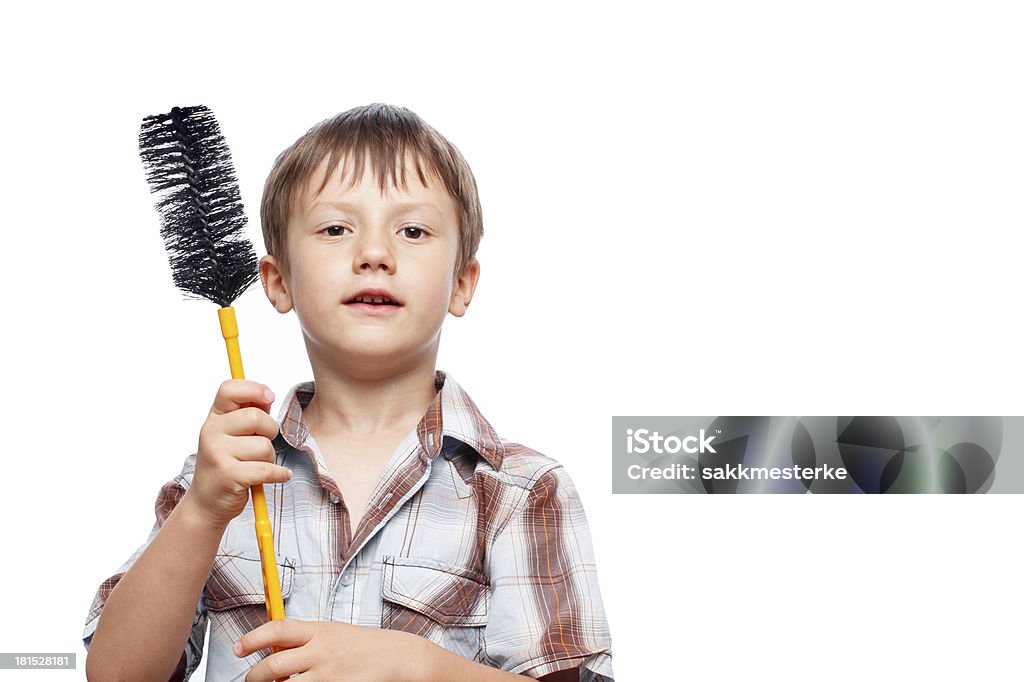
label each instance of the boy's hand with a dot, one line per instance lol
(235, 451)
(330, 650)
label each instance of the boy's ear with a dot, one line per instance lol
(274, 284)
(464, 287)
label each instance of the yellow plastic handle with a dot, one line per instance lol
(264, 532)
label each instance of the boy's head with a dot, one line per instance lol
(380, 134)
(373, 198)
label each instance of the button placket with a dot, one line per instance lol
(345, 596)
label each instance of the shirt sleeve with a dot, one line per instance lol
(546, 612)
(169, 496)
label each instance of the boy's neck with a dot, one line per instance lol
(343, 404)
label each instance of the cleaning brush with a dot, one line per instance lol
(188, 166)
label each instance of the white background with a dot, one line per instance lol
(721, 208)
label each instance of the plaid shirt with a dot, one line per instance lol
(484, 550)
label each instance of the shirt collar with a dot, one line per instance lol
(452, 413)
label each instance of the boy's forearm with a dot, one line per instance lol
(444, 666)
(148, 616)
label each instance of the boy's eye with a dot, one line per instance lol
(417, 230)
(333, 227)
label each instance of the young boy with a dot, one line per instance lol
(412, 542)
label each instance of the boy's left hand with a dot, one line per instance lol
(332, 651)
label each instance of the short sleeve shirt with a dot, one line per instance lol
(476, 543)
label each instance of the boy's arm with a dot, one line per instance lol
(333, 650)
(544, 580)
(148, 616)
(156, 602)
(445, 666)
(546, 614)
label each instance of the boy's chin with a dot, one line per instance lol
(377, 351)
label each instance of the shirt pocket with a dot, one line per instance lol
(444, 603)
(234, 590)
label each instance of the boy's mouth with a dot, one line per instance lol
(373, 298)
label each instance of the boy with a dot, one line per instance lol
(412, 542)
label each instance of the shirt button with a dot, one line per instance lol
(335, 499)
(346, 578)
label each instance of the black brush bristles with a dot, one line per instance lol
(188, 166)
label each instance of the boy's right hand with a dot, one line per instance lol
(235, 451)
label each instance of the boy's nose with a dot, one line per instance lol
(373, 253)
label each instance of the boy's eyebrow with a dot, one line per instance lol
(399, 207)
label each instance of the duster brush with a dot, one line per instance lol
(188, 166)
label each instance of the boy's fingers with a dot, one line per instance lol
(285, 633)
(236, 393)
(279, 666)
(252, 449)
(250, 421)
(258, 473)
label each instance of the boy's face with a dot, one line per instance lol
(351, 238)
